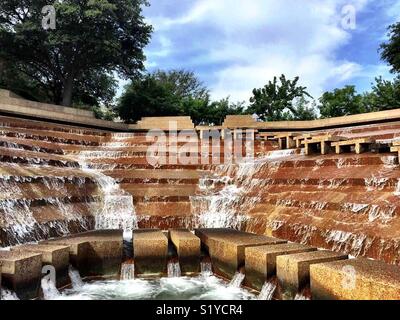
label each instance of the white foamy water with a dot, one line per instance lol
(174, 269)
(50, 292)
(237, 280)
(267, 291)
(206, 268)
(127, 271)
(75, 277)
(185, 288)
(116, 210)
(8, 295)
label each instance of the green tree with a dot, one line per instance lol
(271, 102)
(92, 39)
(385, 95)
(147, 98)
(303, 110)
(390, 50)
(341, 102)
(182, 83)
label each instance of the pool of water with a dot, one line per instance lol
(177, 288)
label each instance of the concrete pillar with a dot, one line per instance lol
(188, 248)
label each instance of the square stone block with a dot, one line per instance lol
(54, 255)
(188, 247)
(226, 247)
(21, 272)
(355, 279)
(293, 270)
(150, 250)
(261, 261)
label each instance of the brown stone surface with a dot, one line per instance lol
(226, 247)
(102, 256)
(150, 249)
(55, 255)
(260, 261)
(355, 279)
(188, 248)
(21, 272)
(293, 270)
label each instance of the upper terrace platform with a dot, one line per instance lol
(13, 105)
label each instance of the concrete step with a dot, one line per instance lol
(226, 247)
(355, 279)
(188, 248)
(150, 249)
(293, 270)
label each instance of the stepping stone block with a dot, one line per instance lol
(355, 279)
(188, 248)
(226, 247)
(150, 249)
(261, 261)
(324, 142)
(78, 251)
(360, 145)
(21, 272)
(293, 270)
(54, 255)
(103, 253)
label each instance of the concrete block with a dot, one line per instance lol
(260, 261)
(54, 255)
(21, 272)
(355, 279)
(293, 270)
(226, 247)
(150, 249)
(188, 247)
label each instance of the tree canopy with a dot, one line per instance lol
(274, 100)
(390, 51)
(92, 41)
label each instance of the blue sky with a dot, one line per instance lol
(236, 45)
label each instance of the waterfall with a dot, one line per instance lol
(300, 296)
(75, 278)
(7, 295)
(127, 271)
(267, 291)
(174, 269)
(117, 210)
(237, 280)
(206, 268)
(49, 289)
(227, 206)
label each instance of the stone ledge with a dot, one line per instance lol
(293, 270)
(226, 247)
(150, 250)
(188, 248)
(261, 261)
(355, 279)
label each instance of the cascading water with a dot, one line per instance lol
(206, 268)
(74, 276)
(117, 210)
(127, 271)
(174, 269)
(267, 291)
(237, 280)
(50, 292)
(8, 295)
(227, 206)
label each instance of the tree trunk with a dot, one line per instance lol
(67, 92)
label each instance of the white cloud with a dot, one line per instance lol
(259, 39)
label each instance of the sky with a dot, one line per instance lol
(237, 45)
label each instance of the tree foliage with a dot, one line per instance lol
(92, 41)
(271, 102)
(341, 102)
(173, 93)
(390, 51)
